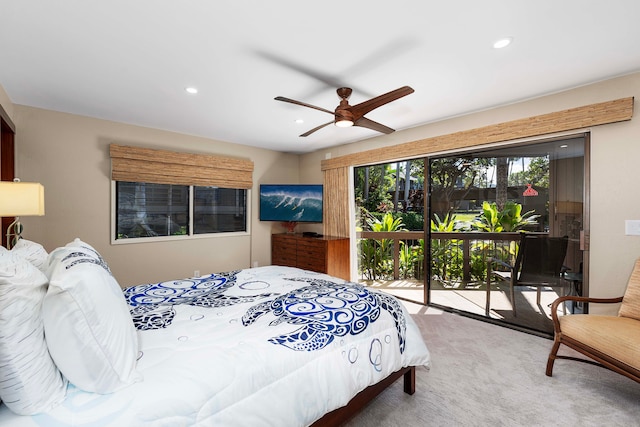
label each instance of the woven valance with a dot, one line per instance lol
(135, 164)
(560, 121)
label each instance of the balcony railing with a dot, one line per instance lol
(466, 245)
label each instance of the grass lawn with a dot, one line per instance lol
(465, 217)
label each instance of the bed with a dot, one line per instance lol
(272, 346)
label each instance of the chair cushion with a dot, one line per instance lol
(631, 302)
(615, 336)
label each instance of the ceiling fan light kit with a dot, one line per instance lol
(346, 115)
(344, 123)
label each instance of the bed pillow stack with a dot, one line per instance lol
(30, 382)
(88, 328)
(33, 252)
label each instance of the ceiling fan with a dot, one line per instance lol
(346, 115)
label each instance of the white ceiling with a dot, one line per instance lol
(131, 60)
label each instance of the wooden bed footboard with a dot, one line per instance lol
(341, 415)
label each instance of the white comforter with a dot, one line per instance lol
(248, 348)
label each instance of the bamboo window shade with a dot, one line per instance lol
(135, 164)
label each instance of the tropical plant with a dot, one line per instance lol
(412, 220)
(387, 223)
(376, 255)
(408, 259)
(478, 261)
(510, 218)
(369, 258)
(446, 224)
(446, 254)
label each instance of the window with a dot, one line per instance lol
(219, 210)
(146, 210)
(160, 194)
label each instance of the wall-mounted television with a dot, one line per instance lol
(291, 202)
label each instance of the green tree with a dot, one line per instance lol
(536, 173)
(372, 186)
(452, 178)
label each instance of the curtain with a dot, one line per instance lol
(336, 220)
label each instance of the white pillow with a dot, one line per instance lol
(33, 252)
(29, 380)
(87, 324)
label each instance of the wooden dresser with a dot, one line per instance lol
(324, 254)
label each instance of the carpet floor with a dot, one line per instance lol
(488, 375)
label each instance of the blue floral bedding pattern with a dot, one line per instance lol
(323, 309)
(152, 305)
(326, 310)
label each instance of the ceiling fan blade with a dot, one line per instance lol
(363, 108)
(307, 133)
(327, 79)
(370, 124)
(293, 101)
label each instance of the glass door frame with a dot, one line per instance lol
(584, 232)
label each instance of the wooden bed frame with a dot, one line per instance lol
(341, 415)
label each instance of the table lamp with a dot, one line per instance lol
(20, 199)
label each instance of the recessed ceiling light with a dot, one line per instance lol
(299, 121)
(503, 42)
(192, 90)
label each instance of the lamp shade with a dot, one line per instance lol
(21, 199)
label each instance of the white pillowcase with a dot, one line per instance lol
(29, 380)
(88, 327)
(33, 252)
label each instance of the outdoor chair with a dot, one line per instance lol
(611, 342)
(539, 263)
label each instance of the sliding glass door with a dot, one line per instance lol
(480, 204)
(450, 243)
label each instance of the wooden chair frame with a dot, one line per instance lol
(596, 357)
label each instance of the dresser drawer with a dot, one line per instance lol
(311, 243)
(283, 252)
(286, 259)
(284, 247)
(311, 252)
(321, 254)
(281, 242)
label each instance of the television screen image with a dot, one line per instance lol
(291, 202)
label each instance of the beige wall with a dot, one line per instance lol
(615, 150)
(69, 155)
